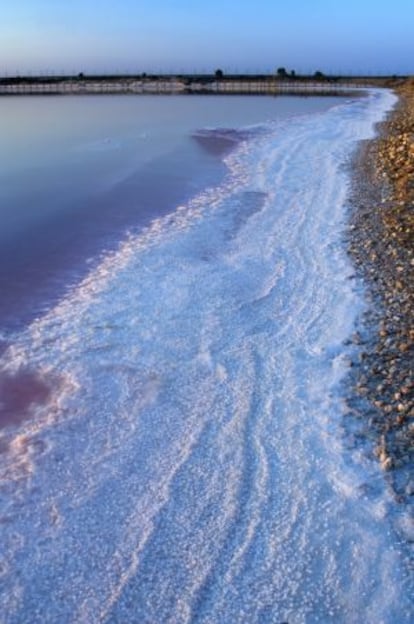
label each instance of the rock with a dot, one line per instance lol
(387, 464)
(381, 244)
(409, 489)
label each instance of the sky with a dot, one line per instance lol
(186, 36)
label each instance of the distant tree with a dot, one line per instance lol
(318, 75)
(281, 72)
(81, 76)
(293, 73)
(218, 74)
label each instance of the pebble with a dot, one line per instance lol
(381, 244)
(409, 489)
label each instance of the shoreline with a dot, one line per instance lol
(170, 85)
(380, 244)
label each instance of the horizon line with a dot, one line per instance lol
(50, 74)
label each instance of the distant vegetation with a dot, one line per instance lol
(280, 74)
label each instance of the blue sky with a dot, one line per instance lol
(358, 36)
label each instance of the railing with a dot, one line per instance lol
(175, 86)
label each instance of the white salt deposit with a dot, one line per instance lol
(192, 465)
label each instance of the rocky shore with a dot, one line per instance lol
(381, 237)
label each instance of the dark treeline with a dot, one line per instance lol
(281, 75)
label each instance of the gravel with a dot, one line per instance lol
(380, 242)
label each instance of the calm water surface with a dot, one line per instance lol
(77, 173)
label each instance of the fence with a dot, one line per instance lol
(265, 86)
